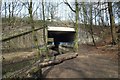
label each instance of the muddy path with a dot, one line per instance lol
(91, 63)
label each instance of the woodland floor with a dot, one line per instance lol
(91, 62)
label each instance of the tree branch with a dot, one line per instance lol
(69, 6)
(15, 36)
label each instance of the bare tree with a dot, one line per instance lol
(13, 7)
(9, 5)
(112, 24)
(5, 10)
(95, 16)
(76, 23)
(34, 35)
(102, 15)
(107, 22)
(33, 28)
(44, 30)
(91, 27)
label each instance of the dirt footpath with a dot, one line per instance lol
(91, 63)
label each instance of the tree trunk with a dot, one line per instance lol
(33, 30)
(12, 15)
(34, 35)
(5, 10)
(95, 17)
(101, 15)
(91, 27)
(61, 58)
(76, 26)
(13, 9)
(106, 14)
(85, 17)
(44, 30)
(34, 69)
(9, 14)
(112, 24)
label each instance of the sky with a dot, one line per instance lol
(62, 11)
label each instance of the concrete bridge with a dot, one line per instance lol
(67, 34)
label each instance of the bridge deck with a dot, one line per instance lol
(61, 34)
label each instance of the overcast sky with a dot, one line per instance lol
(63, 11)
